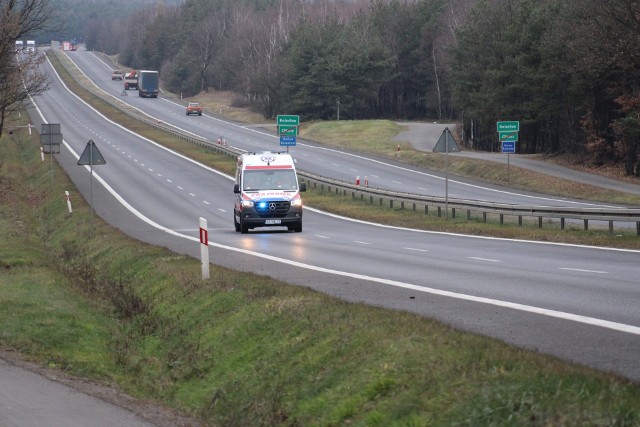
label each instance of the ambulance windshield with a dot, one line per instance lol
(256, 180)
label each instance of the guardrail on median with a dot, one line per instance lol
(391, 198)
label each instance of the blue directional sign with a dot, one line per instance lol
(288, 141)
(508, 146)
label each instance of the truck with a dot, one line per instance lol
(68, 46)
(267, 192)
(31, 45)
(19, 46)
(148, 83)
(131, 80)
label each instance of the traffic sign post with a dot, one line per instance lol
(89, 157)
(511, 126)
(287, 130)
(508, 146)
(508, 136)
(288, 120)
(289, 141)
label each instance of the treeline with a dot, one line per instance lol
(569, 71)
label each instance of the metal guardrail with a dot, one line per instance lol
(610, 215)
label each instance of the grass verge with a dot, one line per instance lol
(240, 349)
(376, 134)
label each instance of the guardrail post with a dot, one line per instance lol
(453, 212)
(586, 224)
(539, 222)
(520, 220)
(637, 228)
(610, 227)
(391, 203)
(439, 211)
(426, 211)
(468, 214)
(501, 219)
(402, 205)
(561, 223)
(484, 216)
(370, 200)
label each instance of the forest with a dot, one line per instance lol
(568, 70)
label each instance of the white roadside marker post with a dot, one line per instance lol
(68, 199)
(204, 248)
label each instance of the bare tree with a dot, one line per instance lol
(19, 74)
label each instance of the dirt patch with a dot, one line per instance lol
(152, 412)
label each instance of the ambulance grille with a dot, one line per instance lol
(275, 209)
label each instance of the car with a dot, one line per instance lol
(194, 108)
(117, 75)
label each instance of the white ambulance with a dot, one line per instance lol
(267, 192)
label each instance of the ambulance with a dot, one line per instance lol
(267, 192)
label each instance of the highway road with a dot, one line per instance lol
(340, 164)
(578, 303)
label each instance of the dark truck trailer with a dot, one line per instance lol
(148, 83)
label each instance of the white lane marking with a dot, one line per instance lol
(205, 202)
(222, 210)
(362, 243)
(179, 188)
(321, 236)
(583, 271)
(192, 195)
(483, 259)
(396, 182)
(416, 249)
(423, 189)
(635, 330)
(169, 181)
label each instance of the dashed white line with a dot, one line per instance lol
(169, 181)
(205, 202)
(583, 271)
(179, 188)
(362, 243)
(192, 195)
(396, 182)
(321, 236)
(416, 249)
(484, 259)
(222, 210)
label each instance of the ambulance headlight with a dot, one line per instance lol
(296, 202)
(247, 204)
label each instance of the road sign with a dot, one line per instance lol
(289, 120)
(289, 141)
(446, 143)
(287, 130)
(91, 155)
(508, 146)
(513, 126)
(508, 136)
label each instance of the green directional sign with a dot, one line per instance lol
(289, 120)
(513, 126)
(508, 136)
(287, 130)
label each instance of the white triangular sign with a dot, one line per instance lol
(446, 143)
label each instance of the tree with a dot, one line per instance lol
(19, 74)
